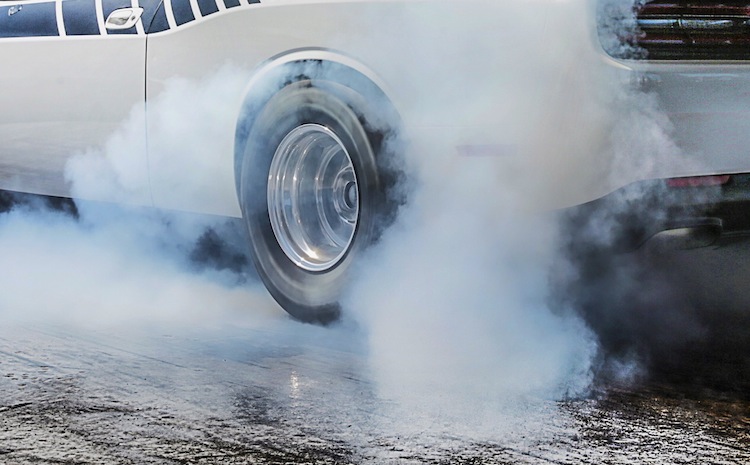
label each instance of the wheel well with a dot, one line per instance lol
(371, 104)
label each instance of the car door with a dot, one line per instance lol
(72, 72)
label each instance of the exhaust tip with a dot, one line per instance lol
(687, 234)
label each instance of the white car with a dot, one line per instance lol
(307, 158)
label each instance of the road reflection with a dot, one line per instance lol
(271, 390)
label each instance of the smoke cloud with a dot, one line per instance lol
(456, 299)
(114, 262)
(471, 302)
(659, 311)
(480, 300)
(68, 270)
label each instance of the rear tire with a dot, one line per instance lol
(312, 194)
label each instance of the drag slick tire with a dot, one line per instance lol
(312, 194)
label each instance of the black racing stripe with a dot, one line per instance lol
(207, 7)
(159, 22)
(182, 12)
(132, 30)
(154, 18)
(108, 6)
(79, 17)
(29, 20)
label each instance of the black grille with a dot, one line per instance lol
(682, 30)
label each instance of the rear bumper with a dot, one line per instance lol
(676, 213)
(682, 314)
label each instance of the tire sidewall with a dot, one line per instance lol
(307, 295)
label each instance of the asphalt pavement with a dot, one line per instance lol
(115, 349)
(270, 390)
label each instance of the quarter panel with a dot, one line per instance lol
(69, 87)
(63, 96)
(418, 49)
(521, 89)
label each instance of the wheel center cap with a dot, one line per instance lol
(313, 198)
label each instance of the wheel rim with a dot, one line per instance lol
(313, 197)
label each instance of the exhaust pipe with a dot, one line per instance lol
(687, 234)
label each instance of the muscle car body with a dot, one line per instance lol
(73, 71)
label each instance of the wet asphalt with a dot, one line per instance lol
(253, 386)
(271, 390)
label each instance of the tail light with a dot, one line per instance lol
(699, 181)
(690, 30)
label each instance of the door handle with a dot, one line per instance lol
(123, 18)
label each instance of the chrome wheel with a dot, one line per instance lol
(313, 185)
(313, 197)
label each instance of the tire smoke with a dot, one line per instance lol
(467, 301)
(661, 312)
(114, 261)
(476, 307)
(454, 299)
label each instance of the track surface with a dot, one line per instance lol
(274, 391)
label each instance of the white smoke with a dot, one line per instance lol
(455, 298)
(62, 270)
(120, 261)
